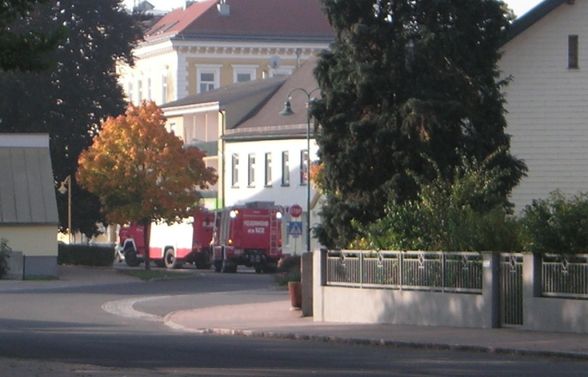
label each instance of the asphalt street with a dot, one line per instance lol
(60, 330)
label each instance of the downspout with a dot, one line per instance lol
(221, 157)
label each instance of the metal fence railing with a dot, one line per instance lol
(564, 275)
(416, 270)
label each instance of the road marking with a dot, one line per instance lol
(125, 308)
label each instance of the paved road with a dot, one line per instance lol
(64, 331)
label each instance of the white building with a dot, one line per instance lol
(214, 43)
(266, 155)
(547, 99)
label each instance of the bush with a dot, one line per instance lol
(288, 269)
(558, 224)
(464, 214)
(4, 255)
(86, 255)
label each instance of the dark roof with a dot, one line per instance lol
(525, 21)
(240, 100)
(228, 94)
(268, 123)
(247, 19)
(27, 192)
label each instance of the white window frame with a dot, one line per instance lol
(244, 69)
(130, 94)
(235, 170)
(213, 69)
(139, 90)
(304, 167)
(251, 170)
(164, 87)
(285, 168)
(268, 169)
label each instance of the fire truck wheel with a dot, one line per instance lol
(169, 258)
(131, 258)
(228, 267)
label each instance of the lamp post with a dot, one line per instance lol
(286, 111)
(63, 188)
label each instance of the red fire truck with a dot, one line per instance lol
(249, 235)
(171, 245)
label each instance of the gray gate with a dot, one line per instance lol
(511, 289)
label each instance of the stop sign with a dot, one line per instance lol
(295, 210)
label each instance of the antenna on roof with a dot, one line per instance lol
(223, 8)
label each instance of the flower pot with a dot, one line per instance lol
(295, 293)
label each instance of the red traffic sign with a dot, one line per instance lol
(295, 210)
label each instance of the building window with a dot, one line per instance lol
(573, 52)
(149, 89)
(285, 169)
(163, 88)
(235, 170)
(268, 169)
(242, 73)
(303, 167)
(208, 78)
(281, 71)
(130, 92)
(251, 171)
(140, 90)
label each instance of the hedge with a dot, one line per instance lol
(87, 255)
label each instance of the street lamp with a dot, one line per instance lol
(286, 111)
(64, 187)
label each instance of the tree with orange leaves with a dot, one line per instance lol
(141, 172)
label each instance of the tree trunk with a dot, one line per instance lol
(146, 236)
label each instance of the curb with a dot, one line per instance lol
(374, 342)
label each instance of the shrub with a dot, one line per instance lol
(462, 214)
(288, 269)
(87, 255)
(558, 224)
(4, 255)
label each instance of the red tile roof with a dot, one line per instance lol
(247, 19)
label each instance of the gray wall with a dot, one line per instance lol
(406, 307)
(425, 308)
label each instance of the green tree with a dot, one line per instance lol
(141, 172)
(25, 50)
(405, 82)
(70, 100)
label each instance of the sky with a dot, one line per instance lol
(519, 6)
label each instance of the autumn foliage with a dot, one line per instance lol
(140, 171)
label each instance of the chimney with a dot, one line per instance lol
(223, 8)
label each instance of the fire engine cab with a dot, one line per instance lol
(249, 235)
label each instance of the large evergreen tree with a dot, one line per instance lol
(20, 49)
(406, 83)
(70, 100)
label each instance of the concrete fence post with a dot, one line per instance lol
(307, 285)
(319, 281)
(491, 289)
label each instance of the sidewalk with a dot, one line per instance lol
(70, 276)
(274, 319)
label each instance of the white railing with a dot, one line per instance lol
(415, 270)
